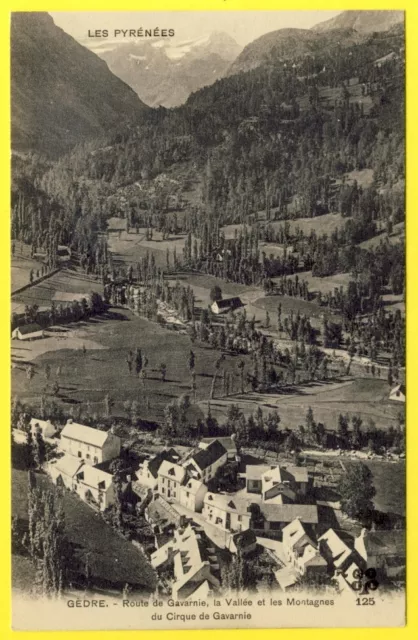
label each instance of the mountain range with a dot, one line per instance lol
(346, 29)
(61, 93)
(164, 72)
(362, 21)
(64, 94)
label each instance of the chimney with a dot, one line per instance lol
(70, 421)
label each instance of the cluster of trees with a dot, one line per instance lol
(143, 300)
(357, 492)
(61, 313)
(45, 540)
(263, 429)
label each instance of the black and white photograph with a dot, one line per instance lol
(208, 319)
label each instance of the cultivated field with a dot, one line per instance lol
(397, 236)
(22, 264)
(55, 288)
(103, 369)
(364, 397)
(326, 223)
(130, 247)
(328, 95)
(324, 285)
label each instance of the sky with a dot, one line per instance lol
(243, 26)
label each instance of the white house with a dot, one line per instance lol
(147, 473)
(300, 549)
(170, 479)
(276, 483)
(398, 393)
(91, 445)
(46, 427)
(28, 332)
(192, 493)
(276, 486)
(95, 487)
(225, 306)
(229, 513)
(204, 463)
(92, 485)
(63, 471)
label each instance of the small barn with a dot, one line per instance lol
(28, 332)
(44, 426)
(226, 305)
(63, 253)
(398, 393)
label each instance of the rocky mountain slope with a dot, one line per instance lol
(345, 30)
(164, 72)
(62, 94)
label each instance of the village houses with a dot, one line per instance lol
(195, 563)
(92, 485)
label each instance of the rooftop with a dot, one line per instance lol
(167, 454)
(287, 512)
(69, 465)
(193, 485)
(94, 477)
(336, 546)
(161, 514)
(227, 303)
(226, 441)
(255, 471)
(205, 457)
(172, 470)
(300, 474)
(25, 329)
(43, 424)
(80, 432)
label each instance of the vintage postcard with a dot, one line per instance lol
(208, 319)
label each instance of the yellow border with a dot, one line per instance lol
(411, 7)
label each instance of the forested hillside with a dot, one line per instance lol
(280, 139)
(362, 21)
